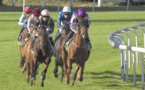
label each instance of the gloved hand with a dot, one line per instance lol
(25, 24)
(60, 30)
(48, 30)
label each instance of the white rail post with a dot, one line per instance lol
(58, 6)
(94, 2)
(23, 5)
(136, 43)
(43, 3)
(134, 69)
(129, 44)
(143, 33)
(122, 58)
(13, 2)
(71, 3)
(100, 3)
(142, 70)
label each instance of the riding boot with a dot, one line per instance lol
(32, 45)
(69, 38)
(19, 36)
(27, 37)
(88, 41)
(57, 36)
(52, 43)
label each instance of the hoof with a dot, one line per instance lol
(81, 79)
(56, 75)
(42, 84)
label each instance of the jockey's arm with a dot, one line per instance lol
(50, 28)
(21, 20)
(29, 24)
(59, 21)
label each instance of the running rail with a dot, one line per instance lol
(116, 40)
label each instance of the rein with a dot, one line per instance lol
(78, 46)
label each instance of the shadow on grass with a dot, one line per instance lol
(110, 75)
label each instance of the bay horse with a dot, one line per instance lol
(77, 53)
(23, 35)
(57, 49)
(42, 54)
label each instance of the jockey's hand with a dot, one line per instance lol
(49, 31)
(75, 31)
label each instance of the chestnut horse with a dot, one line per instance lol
(42, 54)
(77, 53)
(57, 50)
(23, 35)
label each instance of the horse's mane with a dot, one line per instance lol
(65, 27)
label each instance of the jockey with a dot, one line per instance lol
(79, 15)
(47, 21)
(23, 19)
(64, 16)
(31, 21)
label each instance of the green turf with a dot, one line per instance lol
(102, 70)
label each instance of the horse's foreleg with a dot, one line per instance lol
(33, 74)
(80, 73)
(62, 72)
(28, 72)
(75, 74)
(46, 64)
(69, 66)
(24, 68)
(56, 68)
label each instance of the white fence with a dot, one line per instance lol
(128, 49)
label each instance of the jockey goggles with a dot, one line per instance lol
(44, 16)
(36, 15)
(66, 13)
(27, 12)
(81, 17)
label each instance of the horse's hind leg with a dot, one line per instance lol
(80, 73)
(56, 68)
(46, 64)
(75, 75)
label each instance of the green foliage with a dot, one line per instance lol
(102, 70)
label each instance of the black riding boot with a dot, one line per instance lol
(51, 40)
(32, 45)
(57, 36)
(88, 41)
(19, 36)
(69, 38)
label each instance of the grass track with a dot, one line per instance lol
(102, 71)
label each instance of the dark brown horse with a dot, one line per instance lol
(42, 54)
(57, 49)
(77, 53)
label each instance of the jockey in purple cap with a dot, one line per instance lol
(76, 17)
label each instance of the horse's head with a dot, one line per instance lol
(82, 28)
(42, 36)
(65, 28)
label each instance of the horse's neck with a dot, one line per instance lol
(78, 40)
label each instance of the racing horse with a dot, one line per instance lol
(23, 36)
(57, 49)
(77, 53)
(42, 54)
